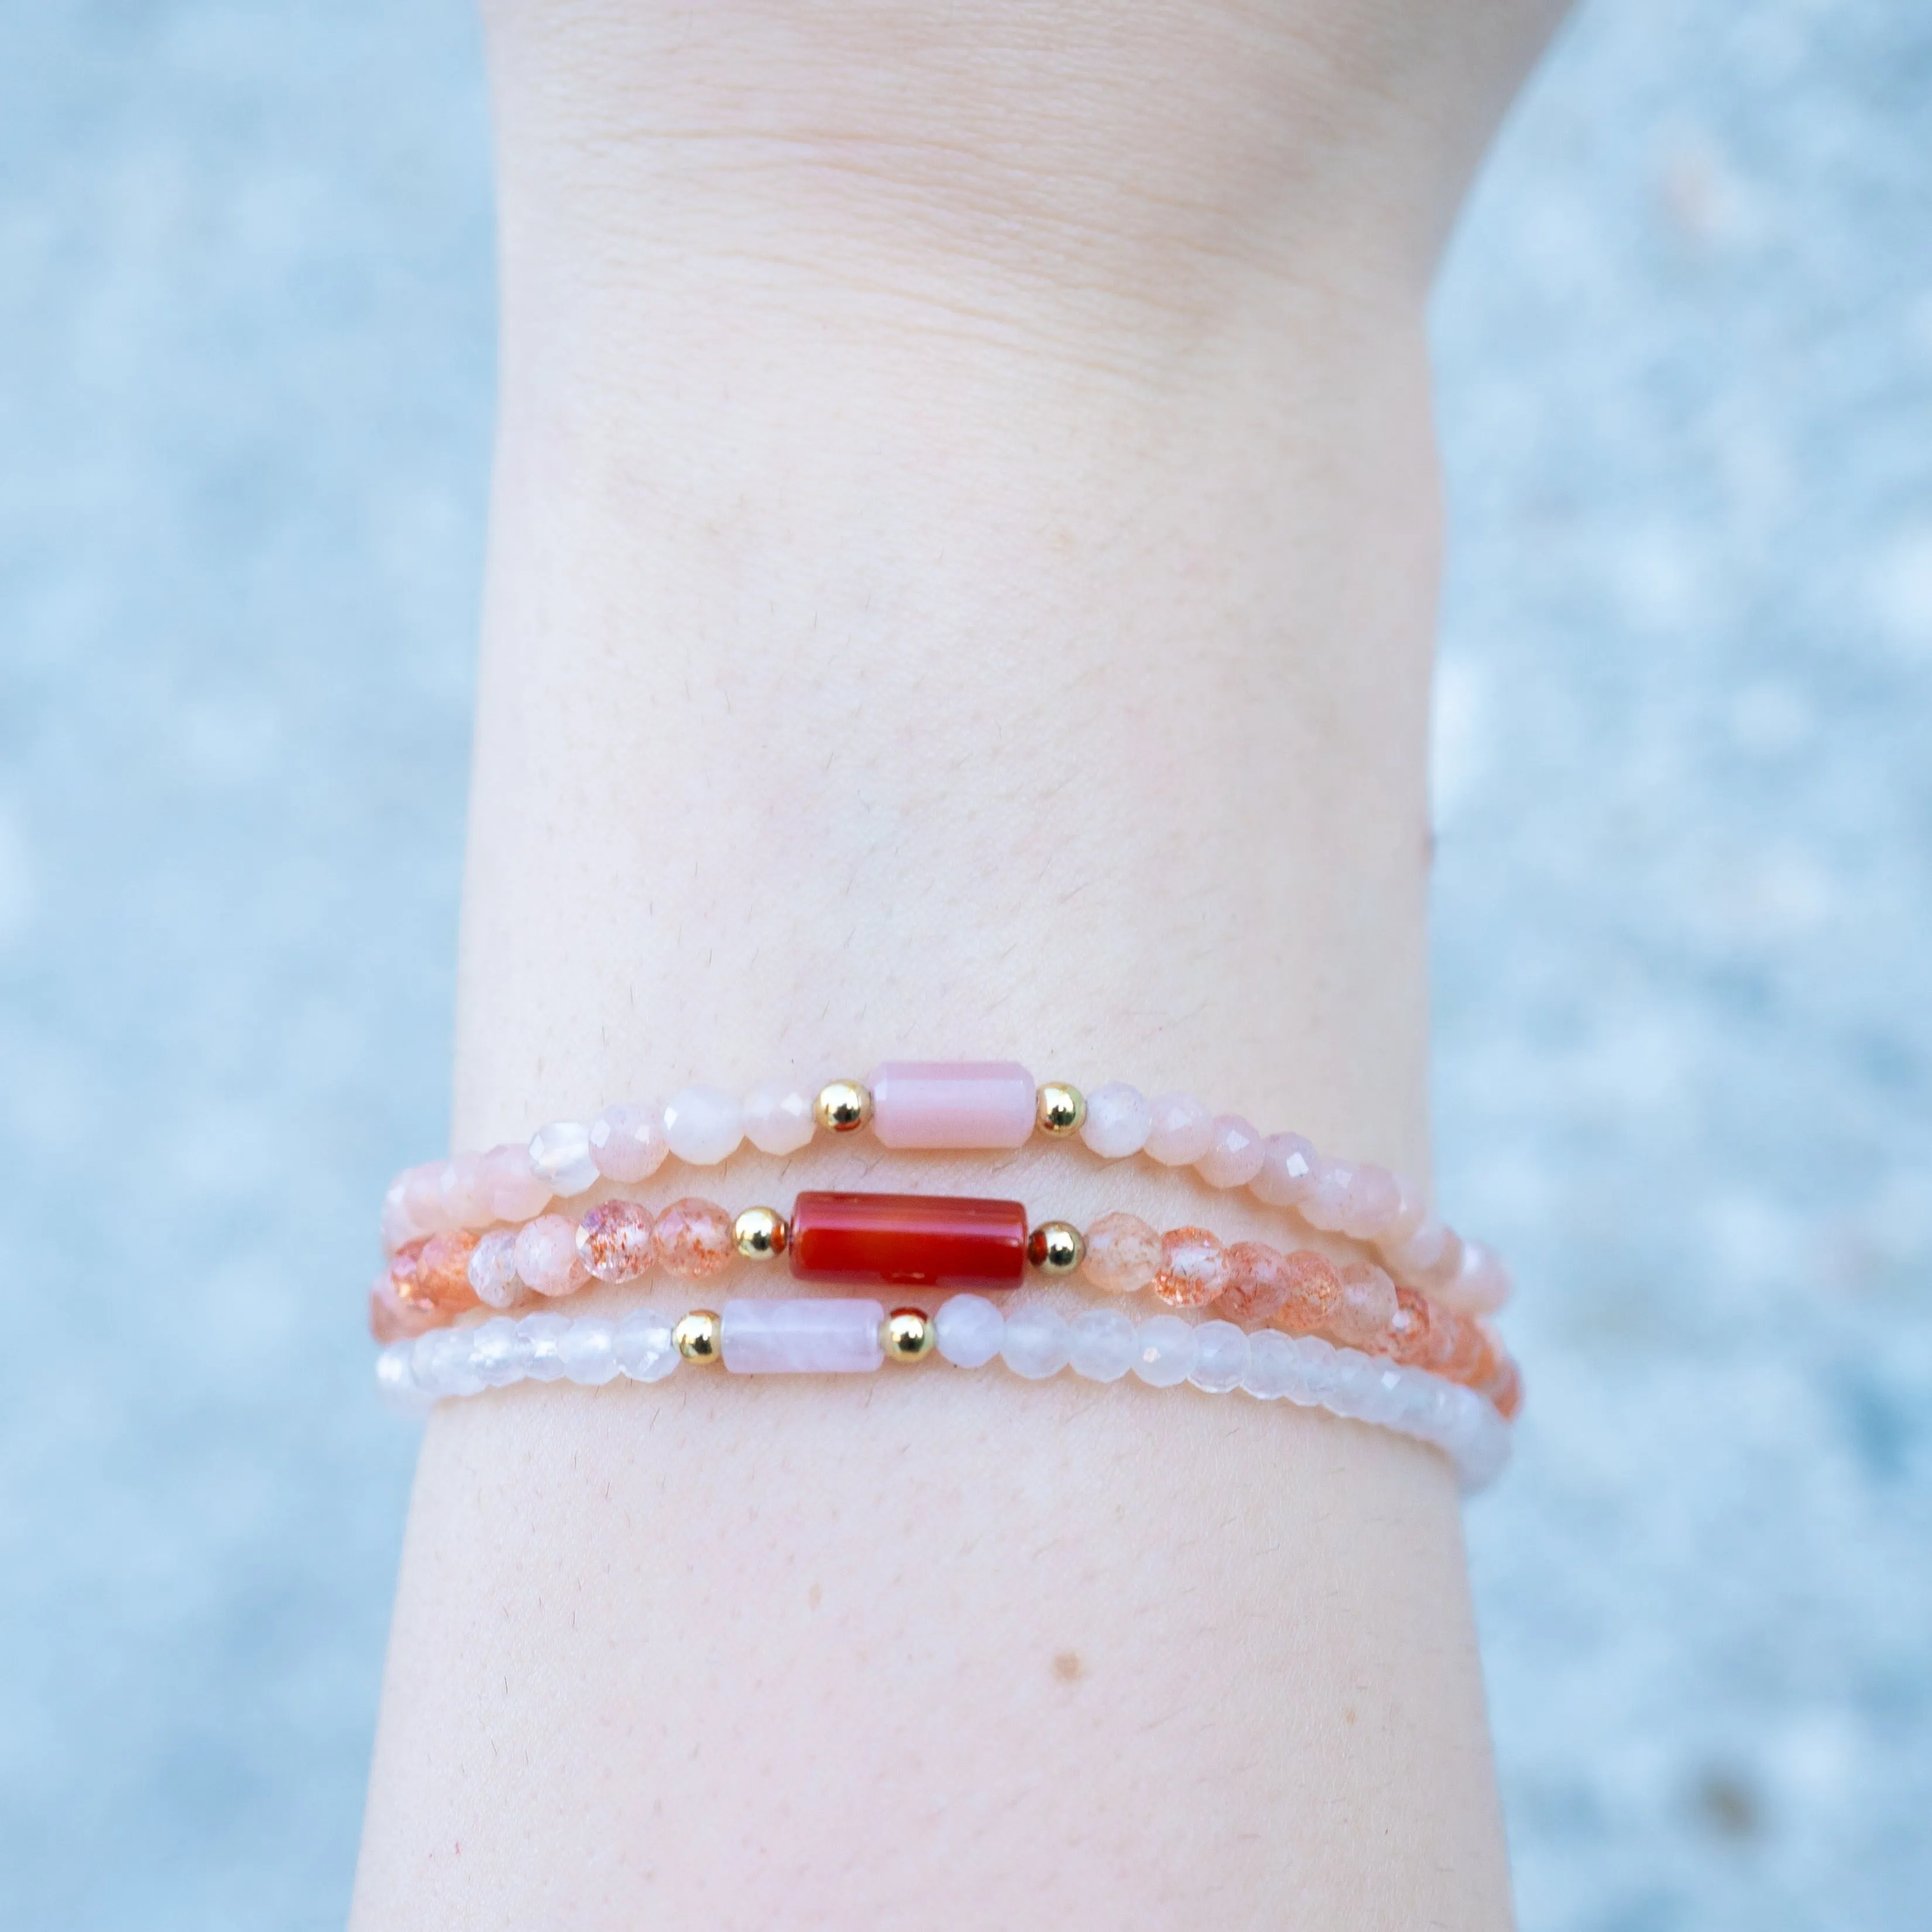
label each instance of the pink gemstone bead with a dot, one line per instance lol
(1366, 1308)
(801, 1337)
(1181, 1130)
(952, 1103)
(1314, 1293)
(1411, 1210)
(1118, 1118)
(1422, 1249)
(422, 1197)
(614, 1240)
(1371, 1201)
(391, 1318)
(1259, 1281)
(547, 1255)
(465, 1199)
(1288, 1171)
(1325, 1204)
(1234, 1153)
(1446, 1267)
(1123, 1254)
(493, 1269)
(1482, 1283)
(560, 1157)
(627, 1141)
(1193, 1268)
(443, 1271)
(515, 1189)
(694, 1239)
(778, 1118)
(398, 1225)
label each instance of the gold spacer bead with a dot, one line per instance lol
(843, 1107)
(1061, 1109)
(908, 1334)
(760, 1233)
(698, 1336)
(1056, 1247)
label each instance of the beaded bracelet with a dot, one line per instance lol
(984, 1105)
(936, 1242)
(848, 1336)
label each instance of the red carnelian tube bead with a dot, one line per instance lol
(908, 1241)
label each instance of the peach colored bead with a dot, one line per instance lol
(1122, 1254)
(547, 1255)
(1258, 1282)
(514, 1189)
(1193, 1268)
(1411, 1339)
(442, 1272)
(493, 1269)
(402, 1275)
(1372, 1198)
(1505, 1390)
(1182, 1130)
(614, 1240)
(1366, 1308)
(693, 1238)
(464, 1198)
(422, 1196)
(1289, 1165)
(390, 1318)
(1234, 1155)
(1314, 1293)
(1460, 1347)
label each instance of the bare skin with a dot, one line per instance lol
(961, 582)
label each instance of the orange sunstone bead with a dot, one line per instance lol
(442, 1272)
(1259, 1280)
(1314, 1293)
(402, 1275)
(1412, 1337)
(1365, 1306)
(1505, 1389)
(391, 1320)
(1193, 1268)
(1461, 1347)
(694, 1239)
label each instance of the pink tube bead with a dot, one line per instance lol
(952, 1103)
(801, 1337)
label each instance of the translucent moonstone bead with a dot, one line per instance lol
(1258, 1281)
(543, 1335)
(952, 1103)
(778, 1118)
(968, 1328)
(614, 1240)
(547, 1256)
(1220, 1357)
(1180, 1129)
(1123, 1254)
(560, 1155)
(443, 1271)
(1118, 1120)
(493, 1269)
(694, 1239)
(588, 1352)
(801, 1337)
(1234, 1153)
(703, 1125)
(1274, 1366)
(515, 1188)
(1036, 1343)
(627, 1141)
(1101, 1344)
(498, 1355)
(1193, 1268)
(1164, 1350)
(1287, 1170)
(642, 1347)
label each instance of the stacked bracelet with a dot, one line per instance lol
(982, 1105)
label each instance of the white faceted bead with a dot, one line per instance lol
(440, 1363)
(642, 1347)
(1117, 1119)
(778, 1118)
(627, 1141)
(1101, 1344)
(560, 1154)
(1274, 1365)
(1180, 1129)
(493, 1269)
(1035, 1343)
(588, 1351)
(1164, 1351)
(968, 1329)
(1321, 1363)
(396, 1382)
(1234, 1153)
(703, 1125)
(544, 1335)
(1220, 1357)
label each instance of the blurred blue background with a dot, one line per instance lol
(1685, 1056)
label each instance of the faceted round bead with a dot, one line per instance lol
(402, 1276)
(1258, 1281)
(1325, 1204)
(1462, 1350)
(1410, 1338)
(422, 1197)
(1445, 1268)
(703, 1125)
(560, 1154)
(1101, 1344)
(1274, 1366)
(642, 1347)
(1410, 1211)
(1372, 1200)
(497, 1353)
(443, 1271)
(1180, 1129)
(441, 1361)
(1365, 1309)
(627, 1141)
(463, 1193)
(1314, 1293)
(493, 1269)
(1505, 1390)
(392, 1319)
(1234, 1153)
(614, 1241)
(1036, 1342)
(778, 1118)
(1288, 1171)
(1220, 1358)
(970, 1329)
(396, 1381)
(543, 1335)
(516, 1190)
(1118, 1119)
(547, 1256)
(694, 1239)
(588, 1352)
(1482, 1283)
(398, 1225)
(1122, 1254)
(1164, 1351)
(1193, 1268)
(1421, 1250)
